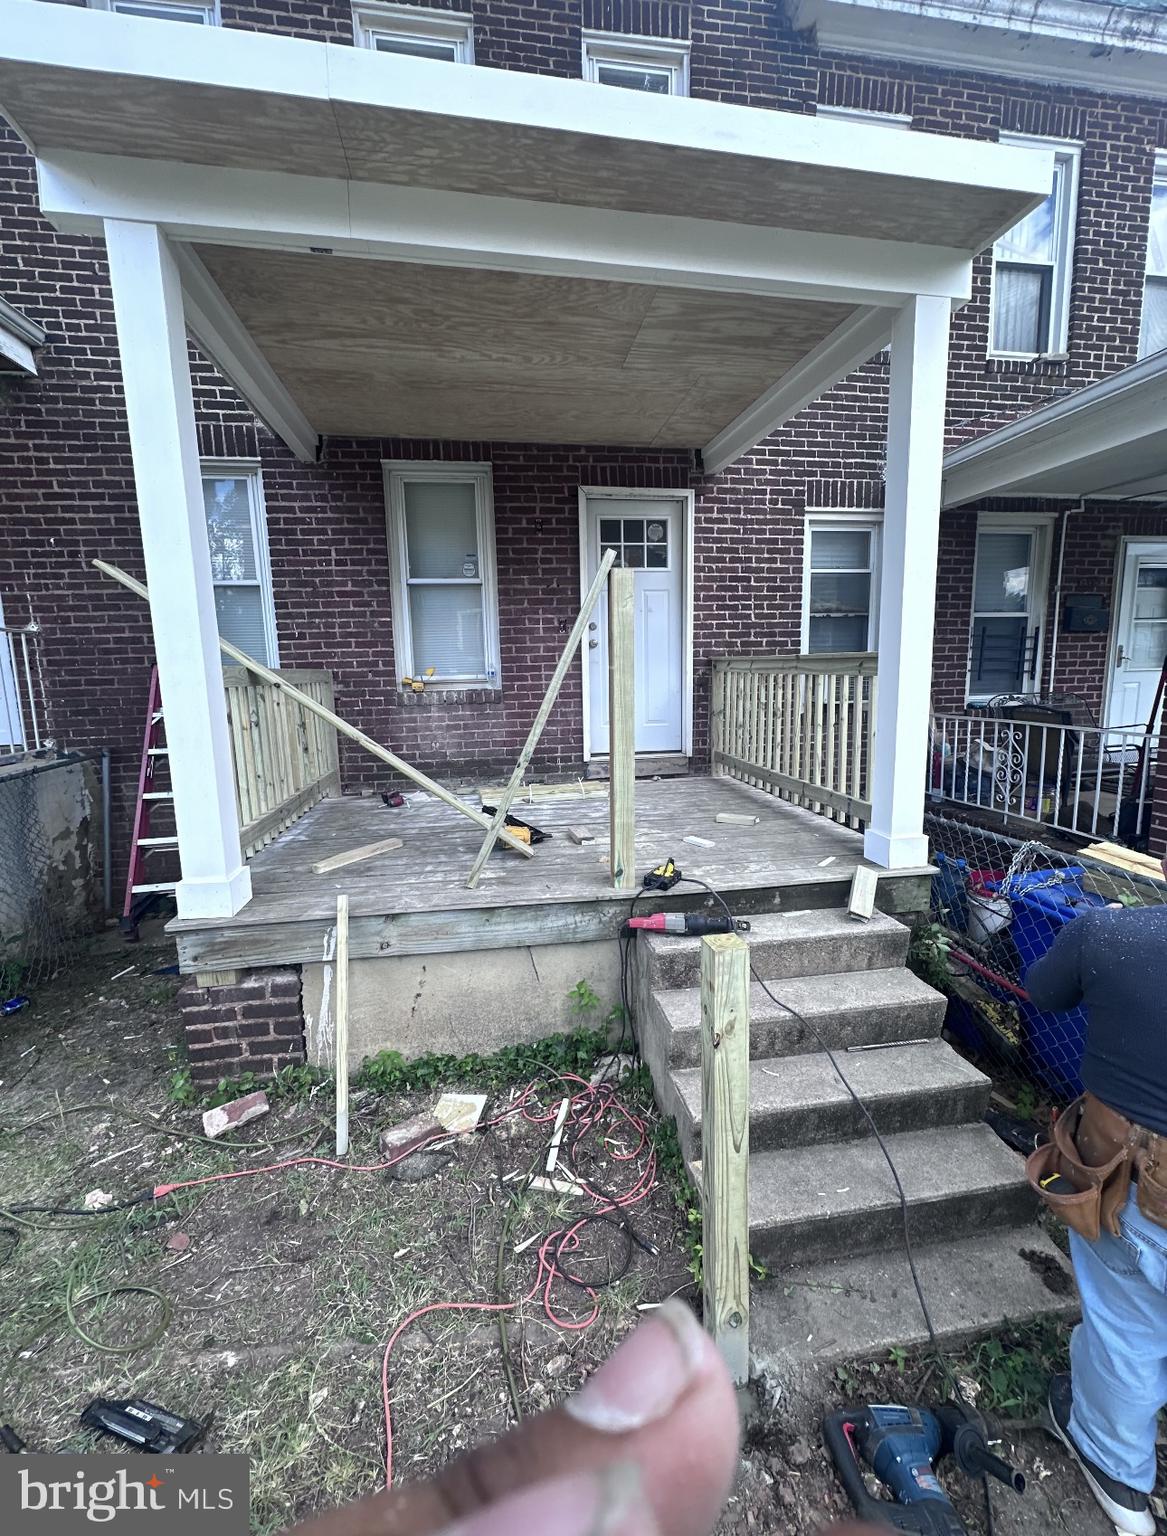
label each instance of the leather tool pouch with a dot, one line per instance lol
(1152, 1186)
(1084, 1173)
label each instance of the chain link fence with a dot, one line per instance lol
(49, 863)
(997, 905)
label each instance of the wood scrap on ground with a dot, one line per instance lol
(581, 835)
(557, 1136)
(460, 1112)
(356, 855)
(1126, 859)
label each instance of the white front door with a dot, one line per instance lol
(648, 535)
(1141, 633)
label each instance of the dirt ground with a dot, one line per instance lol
(267, 1301)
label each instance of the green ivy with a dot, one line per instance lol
(577, 1051)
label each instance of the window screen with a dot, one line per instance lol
(1004, 627)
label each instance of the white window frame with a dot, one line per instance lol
(1040, 525)
(208, 8)
(411, 23)
(894, 120)
(397, 473)
(632, 52)
(818, 521)
(251, 470)
(1158, 182)
(1069, 155)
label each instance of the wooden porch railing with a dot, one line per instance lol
(801, 727)
(285, 757)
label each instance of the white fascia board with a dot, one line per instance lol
(855, 341)
(264, 63)
(227, 342)
(18, 337)
(273, 210)
(1110, 415)
(1070, 42)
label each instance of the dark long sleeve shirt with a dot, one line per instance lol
(1116, 964)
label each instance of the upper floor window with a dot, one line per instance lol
(1033, 265)
(840, 583)
(1153, 331)
(413, 30)
(240, 571)
(862, 115)
(204, 13)
(653, 64)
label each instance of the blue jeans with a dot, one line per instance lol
(1119, 1350)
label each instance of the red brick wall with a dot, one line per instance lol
(67, 493)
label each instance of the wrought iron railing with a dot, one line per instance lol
(1087, 781)
(22, 695)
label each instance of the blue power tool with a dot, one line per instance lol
(902, 1446)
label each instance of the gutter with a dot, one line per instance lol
(20, 338)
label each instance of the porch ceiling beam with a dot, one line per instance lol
(850, 344)
(227, 342)
(276, 211)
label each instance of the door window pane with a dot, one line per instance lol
(1002, 584)
(441, 529)
(998, 656)
(1149, 623)
(639, 542)
(447, 630)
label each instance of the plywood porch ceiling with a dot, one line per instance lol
(381, 349)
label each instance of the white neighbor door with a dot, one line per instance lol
(649, 536)
(1142, 633)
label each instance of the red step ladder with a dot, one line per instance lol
(140, 890)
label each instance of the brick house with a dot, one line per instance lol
(457, 332)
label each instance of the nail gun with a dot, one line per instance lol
(901, 1446)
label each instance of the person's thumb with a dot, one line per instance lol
(662, 1404)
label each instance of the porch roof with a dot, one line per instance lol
(1109, 439)
(525, 258)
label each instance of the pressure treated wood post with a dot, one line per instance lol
(622, 725)
(725, 1146)
(342, 1025)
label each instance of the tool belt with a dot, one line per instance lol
(1084, 1174)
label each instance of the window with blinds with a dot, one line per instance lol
(1009, 583)
(237, 537)
(1033, 265)
(840, 584)
(441, 541)
(1153, 330)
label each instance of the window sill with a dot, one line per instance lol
(454, 693)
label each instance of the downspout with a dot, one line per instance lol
(1053, 648)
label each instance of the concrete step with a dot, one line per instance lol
(799, 1100)
(849, 1008)
(784, 944)
(859, 1308)
(821, 1202)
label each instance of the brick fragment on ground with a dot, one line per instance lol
(228, 1117)
(411, 1133)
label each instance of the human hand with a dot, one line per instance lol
(649, 1445)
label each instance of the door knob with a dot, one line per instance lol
(1120, 657)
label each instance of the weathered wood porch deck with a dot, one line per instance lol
(414, 900)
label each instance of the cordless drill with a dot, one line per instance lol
(902, 1445)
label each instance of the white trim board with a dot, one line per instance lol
(688, 500)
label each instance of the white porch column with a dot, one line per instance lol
(147, 298)
(911, 524)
